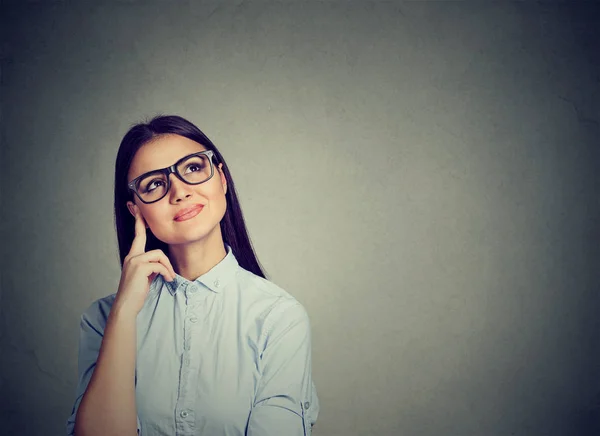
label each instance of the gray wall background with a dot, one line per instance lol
(422, 176)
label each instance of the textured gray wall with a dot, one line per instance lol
(421, 176)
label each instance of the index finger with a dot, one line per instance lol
(138, 246)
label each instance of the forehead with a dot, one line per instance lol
(161, 152)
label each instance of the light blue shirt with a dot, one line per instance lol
(226, 354)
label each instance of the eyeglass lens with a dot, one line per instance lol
(194, 170)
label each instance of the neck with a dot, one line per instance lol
(196, 258)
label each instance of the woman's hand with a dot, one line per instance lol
(139, 269)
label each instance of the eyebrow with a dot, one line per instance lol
(164, 168)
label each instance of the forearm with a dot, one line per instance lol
(108, 405)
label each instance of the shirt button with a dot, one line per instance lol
(193, 288)
(184, 413)
(193, 319)
(306, 405)
(216, 283)
(187, 346)
(187, 362)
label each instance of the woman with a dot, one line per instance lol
(195, 341)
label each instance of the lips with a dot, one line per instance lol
(188, 212)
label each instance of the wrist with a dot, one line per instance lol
(122, 310)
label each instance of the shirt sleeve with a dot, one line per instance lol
(91, 332)
(286, 401)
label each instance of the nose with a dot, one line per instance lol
(178, 190)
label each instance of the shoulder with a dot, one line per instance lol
(260, 287)
(281, 308)
(96, 314)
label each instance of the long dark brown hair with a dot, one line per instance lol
(233, 227)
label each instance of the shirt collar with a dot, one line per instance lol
(215, 279)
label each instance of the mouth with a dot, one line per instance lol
(188, 213)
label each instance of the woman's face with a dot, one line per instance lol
(161, 216)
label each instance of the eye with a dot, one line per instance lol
(193, 167)
(149, 187)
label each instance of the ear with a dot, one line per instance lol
(131, 208)
(223, 179)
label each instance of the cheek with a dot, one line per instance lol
(214, 192)
(155, 218)
(218, 202)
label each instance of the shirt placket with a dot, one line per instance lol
(184, 413)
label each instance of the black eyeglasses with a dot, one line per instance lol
(192, 169)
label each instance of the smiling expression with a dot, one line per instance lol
(188, 212)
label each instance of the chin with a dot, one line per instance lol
(187, 237)
(183, 239)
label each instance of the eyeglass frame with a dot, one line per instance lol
(173, 169)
